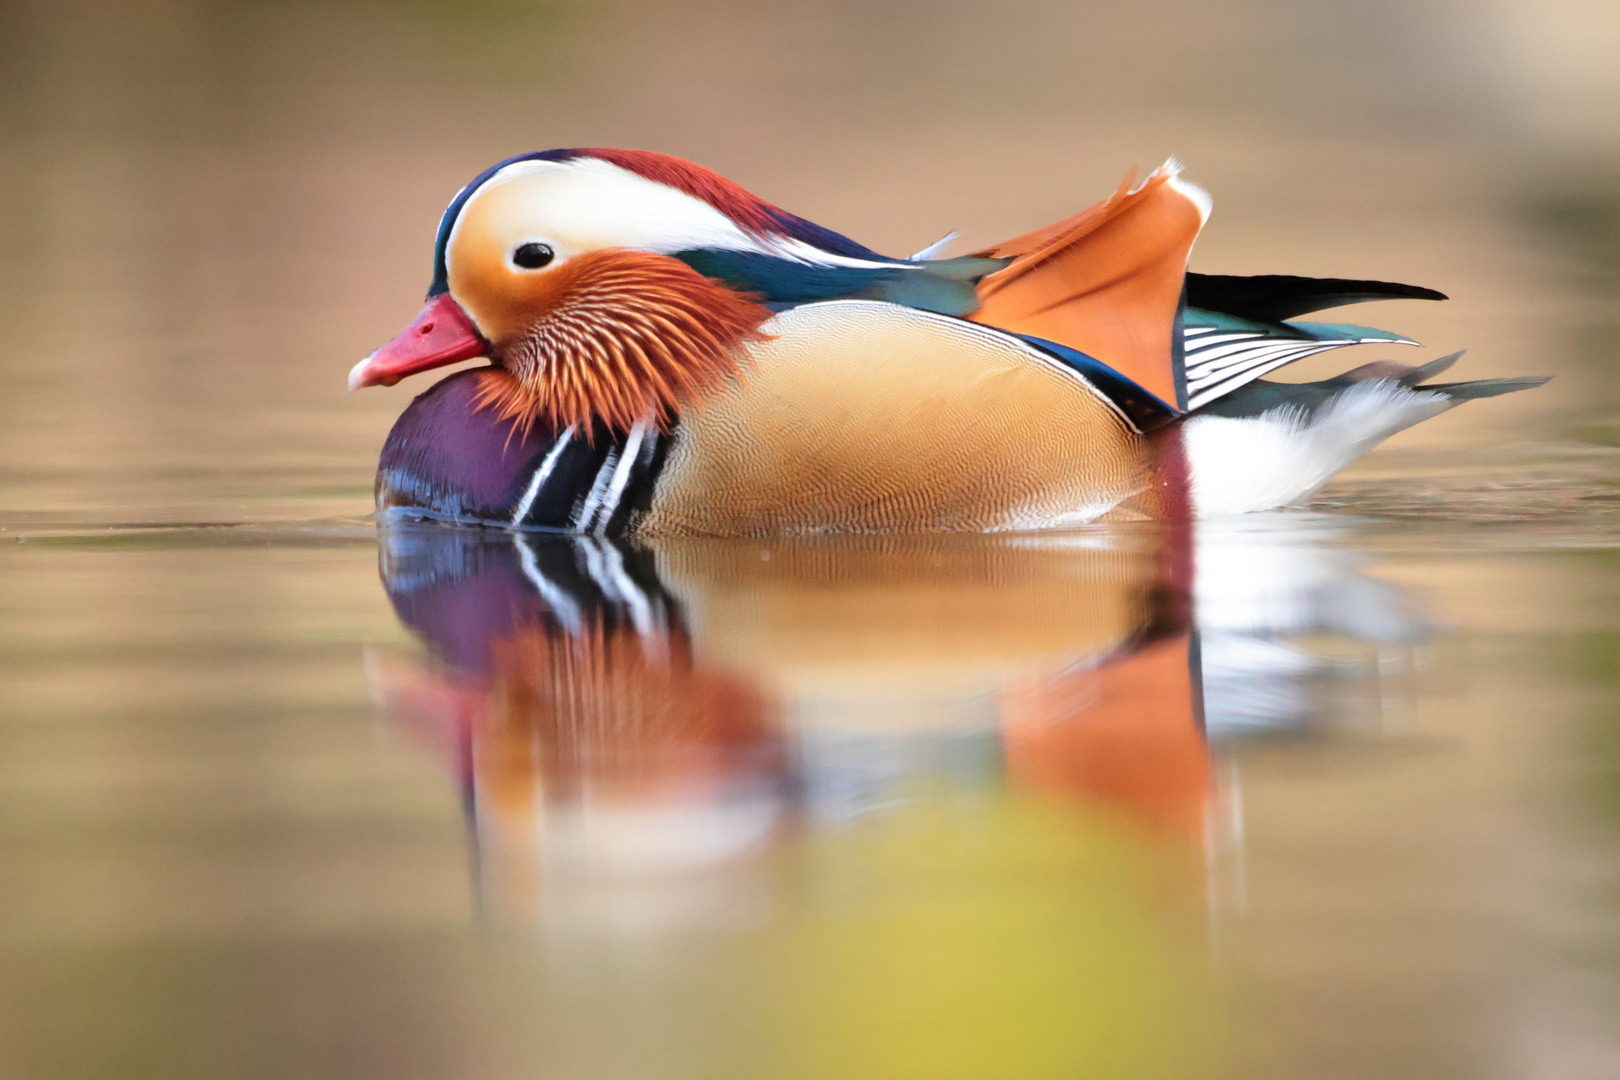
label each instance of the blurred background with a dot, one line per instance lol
(211, 208)
(219, 858)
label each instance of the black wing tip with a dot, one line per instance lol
(1409, 292)
(1272, 297)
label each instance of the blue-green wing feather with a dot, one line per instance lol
(945, 286)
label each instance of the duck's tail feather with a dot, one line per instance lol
(1414, 376)
(1419, 376)
(1237, 329)
(1275, 297)
(1106, 282)
(1484, 388)
(1276, 444)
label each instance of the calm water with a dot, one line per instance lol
(1326, 793)
(1340, 801)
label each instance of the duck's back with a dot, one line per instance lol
(862, 416)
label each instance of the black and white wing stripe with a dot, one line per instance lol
(1219, 359)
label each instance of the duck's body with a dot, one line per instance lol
(683, 358)
(822, 436)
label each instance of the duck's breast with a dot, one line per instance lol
(862, 416)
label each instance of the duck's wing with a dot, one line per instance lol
(1237, 329)
(1222, 353)
(1106, 282)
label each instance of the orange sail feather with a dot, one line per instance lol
(1106, 281)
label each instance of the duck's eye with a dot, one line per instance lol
(532, 256)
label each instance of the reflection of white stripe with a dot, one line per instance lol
(605, 564)
(582, 521)
(621, 477)
(562, 605)
(541, 475)
(641, 612)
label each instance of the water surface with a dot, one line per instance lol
(1289, 794)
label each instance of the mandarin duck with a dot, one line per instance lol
(670, 354)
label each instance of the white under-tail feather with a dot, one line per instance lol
(1285, 455)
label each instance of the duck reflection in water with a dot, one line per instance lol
(691, 701)
(619, 708)
(915, 796)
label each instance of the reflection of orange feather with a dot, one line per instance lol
(627, 337)
(1106, 281)
(599, 708)
(1127, 734)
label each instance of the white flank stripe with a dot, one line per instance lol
(582, 523)
(541, 474)
(621, 477)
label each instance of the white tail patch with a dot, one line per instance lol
(1286, 455)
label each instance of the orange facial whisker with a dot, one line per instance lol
(625, 338)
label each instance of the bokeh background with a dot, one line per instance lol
(215, 858)
(210, 209)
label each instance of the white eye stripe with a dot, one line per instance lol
(586, 204)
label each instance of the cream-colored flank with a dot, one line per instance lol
(868, 417)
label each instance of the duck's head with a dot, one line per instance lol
(560, 268)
